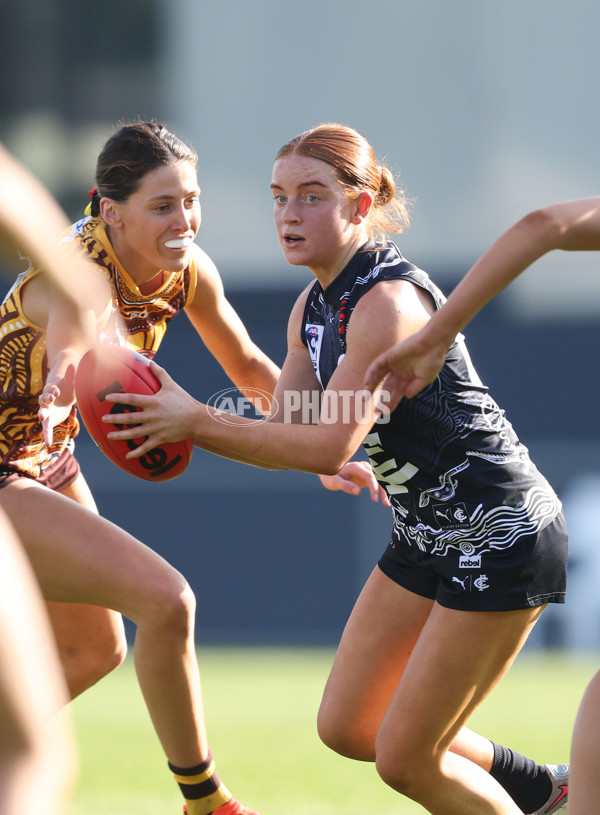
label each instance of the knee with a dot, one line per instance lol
(343, 735)
(404, 771)
(174, 609)
(109, 655)
(85, 664)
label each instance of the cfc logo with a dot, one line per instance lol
(451, 516)
(468, 583)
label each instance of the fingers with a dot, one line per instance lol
(47, 428)
(384, 497)
(370, 482)
(393, 391)
(49, 394)
(349, 487)
(46, 401)
(140, 400)
(376, 372)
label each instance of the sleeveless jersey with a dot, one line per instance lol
(143, 317)
(23, 359)
(456, 473)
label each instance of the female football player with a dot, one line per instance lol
(478, 546)
(416, 361)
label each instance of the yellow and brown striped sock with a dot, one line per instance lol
(202, 788)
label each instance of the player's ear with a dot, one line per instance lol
(109, 210)
(362, 207)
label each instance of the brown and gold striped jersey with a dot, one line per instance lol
(23, 358)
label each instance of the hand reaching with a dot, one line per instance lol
(405, 368)
(50, 414)
(353, 476)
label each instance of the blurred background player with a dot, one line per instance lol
(36, 744)
(413, 363)
(478, 547)
(37, 759)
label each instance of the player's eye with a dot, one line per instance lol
(311, 198)
(279, 199)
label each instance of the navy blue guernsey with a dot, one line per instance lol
(455, 471)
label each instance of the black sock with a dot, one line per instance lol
(526, 782)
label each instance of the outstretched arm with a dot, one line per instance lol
(67, 300)
(255, 374)
(23, 196)
(410, 365)
(390, 311)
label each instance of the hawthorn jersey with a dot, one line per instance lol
(23, 359)
(457, 476)
(143, 317)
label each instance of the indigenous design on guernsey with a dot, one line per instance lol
(23, 358)
(143, 317)
(455, 471)
(23, 371)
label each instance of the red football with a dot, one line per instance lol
(113, 369)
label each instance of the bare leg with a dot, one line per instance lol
(36, 748)
(79, 557)
(406, 678)
(584, 792)
(475, 747)
(90, 640)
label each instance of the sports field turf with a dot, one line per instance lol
(261, 706)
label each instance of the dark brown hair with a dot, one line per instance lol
(357, 168)
(132, 152)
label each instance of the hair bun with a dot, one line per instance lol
(387, 186)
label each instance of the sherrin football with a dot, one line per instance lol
(114, 369)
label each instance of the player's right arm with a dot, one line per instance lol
(412, 364)
(68, 299)
(298, 401)
(71, 329)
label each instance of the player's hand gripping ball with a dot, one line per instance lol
(113, 369)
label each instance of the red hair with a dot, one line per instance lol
(358, 170)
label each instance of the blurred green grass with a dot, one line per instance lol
(261, 707)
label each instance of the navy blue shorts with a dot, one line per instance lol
(531, 572)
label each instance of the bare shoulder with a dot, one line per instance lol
(209, 291)
(391, 311)
(395, 300)
(206, 268)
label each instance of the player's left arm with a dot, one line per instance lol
(225, 335)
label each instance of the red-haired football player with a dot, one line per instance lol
(478, 545)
